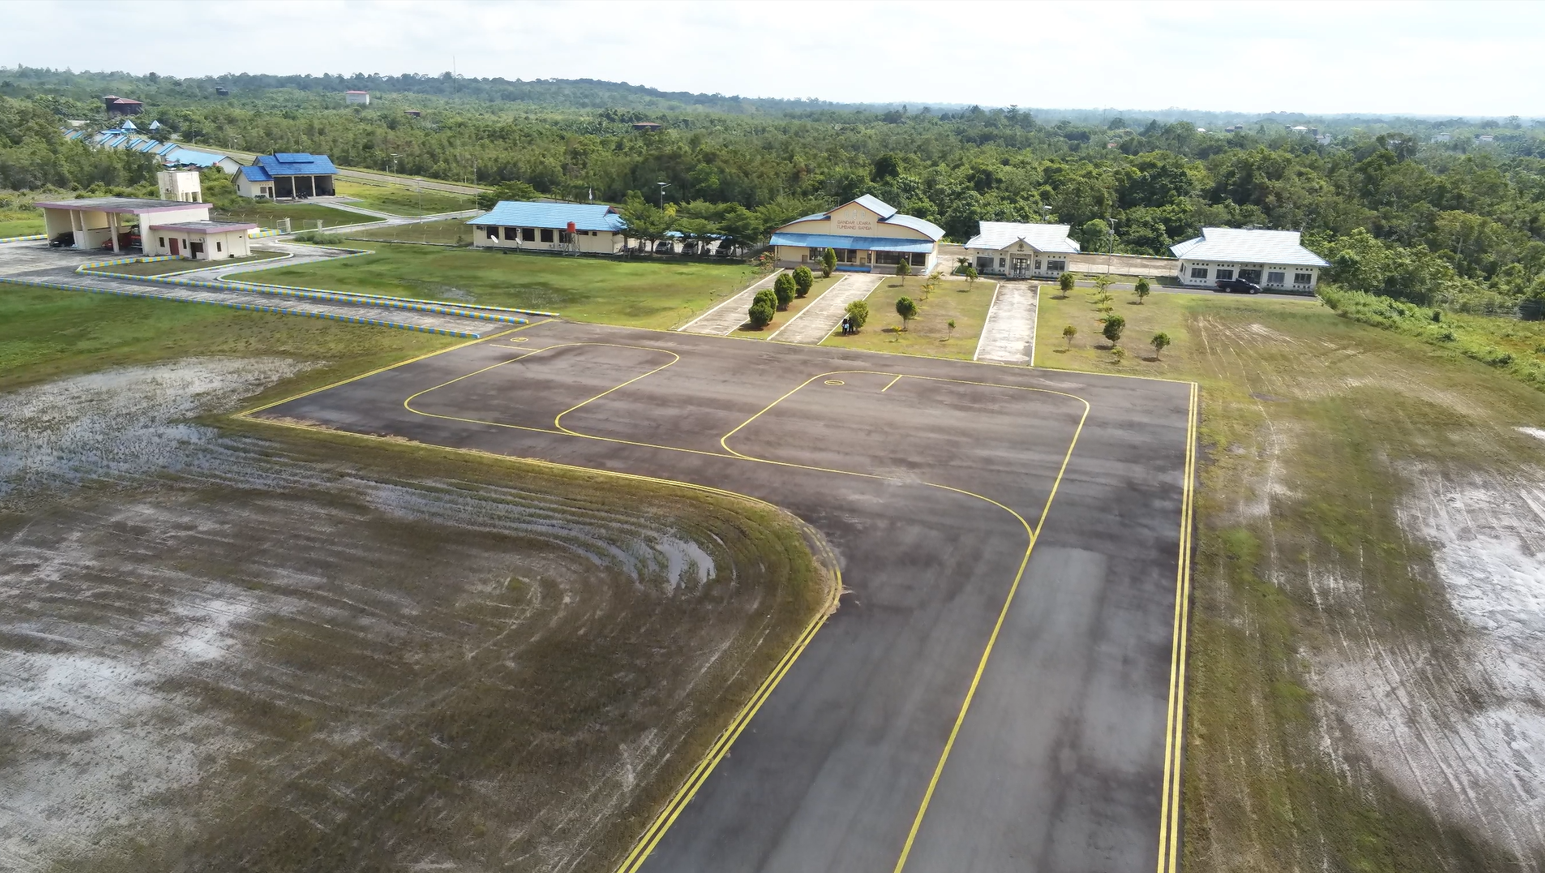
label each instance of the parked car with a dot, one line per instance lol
(1237, 286)
(665, 247)
(689, 247)
(63, 240)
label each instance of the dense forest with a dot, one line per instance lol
(1419, 209)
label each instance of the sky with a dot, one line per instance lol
(1475, 59)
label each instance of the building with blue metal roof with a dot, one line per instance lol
(867, 235)
(287, 176)
(588, 228)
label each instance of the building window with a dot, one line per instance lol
(889, 258)
(1057, 266)
(161, 241)
(547, 234)
(816, 254)
(919, 259)
(565, 237)
(1225, 275)
(218, 248)
(1303, 278)
(983, 264)
(493, 232)
(1003, 262)
(849, 256)
(1198, 272)
(511, 234)
(1276, 278)
(527, 234)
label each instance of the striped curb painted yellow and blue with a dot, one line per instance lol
(252, 307)
(24, 238)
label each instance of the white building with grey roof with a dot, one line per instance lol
(1272, 259)
(1020, 251)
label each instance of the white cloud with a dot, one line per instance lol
(1473, 58)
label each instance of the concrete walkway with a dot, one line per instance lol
(724, 318)
(1009, 335)
(815, 322)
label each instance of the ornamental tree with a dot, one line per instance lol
(784, 290)
(803, 279)
(906, 309)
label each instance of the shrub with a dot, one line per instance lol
(906, 309)
(803, 279)
(858, 313)
(828, 263)
(1142, 289)
(766, 294)
(316, 237)
(1066, 282)
(1114, 325)
(1160, 343)
(761, 313)
(1068, 333)
(784, 290)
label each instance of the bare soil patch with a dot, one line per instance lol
(233, 649)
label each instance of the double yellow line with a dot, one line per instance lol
(1174, 729)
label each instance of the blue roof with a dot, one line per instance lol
(256, 174)
(586, 216)
(868, 243)
(297, 164)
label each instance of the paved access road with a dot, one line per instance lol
(968, 505)
(824, 314)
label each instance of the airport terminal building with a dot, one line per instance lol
(867, 234)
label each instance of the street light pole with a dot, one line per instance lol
(1046, 214)
(1110, 254)
(663, 186)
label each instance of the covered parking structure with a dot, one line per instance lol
(110, 222)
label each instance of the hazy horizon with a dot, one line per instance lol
(1425, 60)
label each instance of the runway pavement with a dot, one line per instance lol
(994, 691)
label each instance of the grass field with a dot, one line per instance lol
(450, 231)
(20, 223)
(795, 307)
(402, 199)
(161, 268)
(267, 213)
(929, 333)
(1361, 611)
(220, 633)
(635, 293)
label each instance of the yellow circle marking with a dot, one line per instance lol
(520, 339)
(835, 382)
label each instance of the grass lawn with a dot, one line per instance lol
(795, 307)
(161, 268)
(1320, 630)
(46, 334)
(267, 213)
(635, 293)
(450, 231)
(365, 613)
(20, 223)
(929, 333)
(401, 199)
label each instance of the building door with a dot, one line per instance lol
(173, 244)
(1020, 268)
(1250, 276)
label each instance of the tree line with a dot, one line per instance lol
(1396, 213)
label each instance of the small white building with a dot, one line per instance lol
(361, 98)
(1272, 259)
(287, 176)
(586, 228)
(199, 240)
(1020, 251)
(109, 223)
(867, 234)
(181, 185)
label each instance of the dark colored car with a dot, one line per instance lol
(1237, 286)
(63, 240)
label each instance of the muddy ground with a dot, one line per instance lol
(228, 648)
